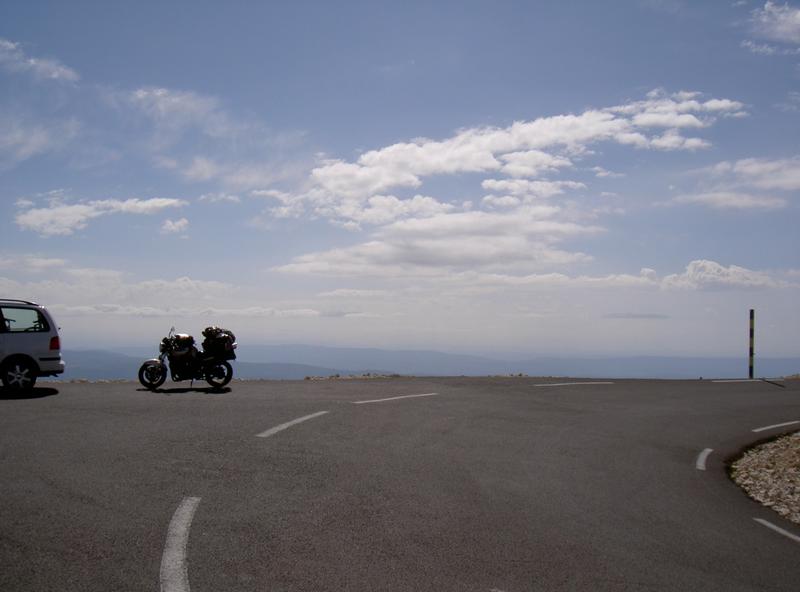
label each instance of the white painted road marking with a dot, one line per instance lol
(777, 425)
(394, 398)
(289, 424)
(174, 571)
(569, 383)
(749, 380)
(701, 459)
(785, 533)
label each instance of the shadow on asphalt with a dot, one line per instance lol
(209, 390)
(35, 393)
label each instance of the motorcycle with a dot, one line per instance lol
(187, 363)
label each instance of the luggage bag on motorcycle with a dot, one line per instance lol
(219, 343)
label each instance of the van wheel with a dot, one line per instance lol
(19, 375)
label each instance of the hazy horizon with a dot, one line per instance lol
(565, 179)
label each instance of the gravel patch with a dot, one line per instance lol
(770, 474)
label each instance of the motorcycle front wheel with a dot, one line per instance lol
(152, 374)
(219, 374)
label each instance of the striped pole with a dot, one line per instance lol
(752, 340)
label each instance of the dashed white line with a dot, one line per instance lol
(778, 529)
(701, 459)
(289, 424)
(569, 383)
(174, 570)
(777, 425)
(738, 380)
(394, 398)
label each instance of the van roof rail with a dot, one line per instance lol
(18, 301)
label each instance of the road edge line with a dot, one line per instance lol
(777, 425)
(700, 464)
(393, 398)
(288, 424)
(174, 573)
(778, 529)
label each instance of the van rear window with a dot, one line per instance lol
(22, 320)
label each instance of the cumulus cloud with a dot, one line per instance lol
(220, 198)
(710, 275)
(532, 163)
(59, 219)
(530, 190)
(777, 22)
(673, 140)
(382, 209)
(14, 59)
(526, 152)
(603, 173)
(175, 226)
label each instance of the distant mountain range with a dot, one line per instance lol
(293, 362)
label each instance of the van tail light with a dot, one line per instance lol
(55, 343)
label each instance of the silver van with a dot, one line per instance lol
(29, 344)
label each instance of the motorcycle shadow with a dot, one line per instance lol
(209, 390)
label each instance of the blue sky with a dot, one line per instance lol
(492, 177)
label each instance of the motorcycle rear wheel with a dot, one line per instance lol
(152, 374)
(219, 374)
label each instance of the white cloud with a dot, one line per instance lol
(532, 163)
(671, 119)
(448, 243)
(750, 183)
(732, 200)
(380, 259)
(220, 198)
(530, 190)
(603, 173)
(710, 275)
(502, 201)
(175, 110)
(30, 263)
(781, 174)
(777, 22)
(673, 140)
(522, 150)
(382, 209)
(175, 226)
(64, 219)
(21, 140)
(757, 173)
(355, 180)
(14, 59)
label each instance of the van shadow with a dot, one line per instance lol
(209, 390)
(35, 393)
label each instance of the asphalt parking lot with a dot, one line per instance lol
(484, 484)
